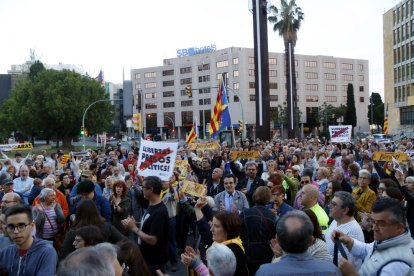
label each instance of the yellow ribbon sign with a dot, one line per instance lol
(253, 154)
(194, 189)
(387, 156)
(204, 146)
(64, 159)
(10, 147)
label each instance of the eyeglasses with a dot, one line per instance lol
(381, 223)
(334, 204)
(305, 182)
(20, 227)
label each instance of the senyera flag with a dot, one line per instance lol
(193, 133)
(221, 115)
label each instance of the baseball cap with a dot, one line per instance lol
(330, 161)
(7, 181)
(86, 173)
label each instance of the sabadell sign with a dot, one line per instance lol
(186, 52)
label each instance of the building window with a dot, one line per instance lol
(236, 99)
(311, 75)
(361, 89)
(150, 106)
(204, 101)
(204, 67)
(137, 86)
(150, 75)
(235, 73)
(187, 118)
(345, 87)
(167, 94)
(251, 60)
(329, 76)
(251, 72)
(361, 77)
(187, 103)
(311, 63)
(311, 87)
(311, 98)
(205, 90)
(329, 65)
(168, 72)
(252, 97)
(223, 63)
(361, 67)
(150, 95)
(151, 85)
(236, 86)
(361, 99)
(168, 104)
(168, 83)
(204, 78)
(252, 85)
(272, 61)
(186, 81)
(185, 70)
(347, 66)
(330, 87)
(345, 99)
(235, 61)
(137, 76)
(273, 98)
(273, 85)
(272, 73)
(330, 99)
(346, 77)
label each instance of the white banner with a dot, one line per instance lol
(340, 134)
(16, 146)
(157, 159)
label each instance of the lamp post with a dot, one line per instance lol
(242, 111)
(86, 110)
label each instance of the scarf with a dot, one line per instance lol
(237, 241)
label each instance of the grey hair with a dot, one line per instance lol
(87, 261)
(44, 192)
(348, 201)
(108, 250)
(410, 179)
(364, 173)
(294, 239)
(221, 260)
(250, 163)
(48, 179)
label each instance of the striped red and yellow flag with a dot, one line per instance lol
(385, 128)
(193, 133)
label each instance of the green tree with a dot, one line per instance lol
(377, 106)
(35, 69)
(350, 115)
(53, 104)
(287, 21)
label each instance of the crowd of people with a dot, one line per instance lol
(294, 210)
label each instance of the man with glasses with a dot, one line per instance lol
(29, 255)
(278, 206)
(392, 252)
(342, 209)
(249, 180)
(363, 195)
(230, 199)
(306, 179)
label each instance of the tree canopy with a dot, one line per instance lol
(52, 103)
(377, 106)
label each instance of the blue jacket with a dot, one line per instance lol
(101, 203)
(40, 259)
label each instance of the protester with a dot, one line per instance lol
(130, 257)
(230, 199)
(121, 205)
(88, 236)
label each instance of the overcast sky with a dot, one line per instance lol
(113, 35)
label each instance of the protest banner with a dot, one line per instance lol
(193, 188)
(181, 167)
(11, 147)
(234, 155)
(80, 153)
(387, 156)
(340, 134)
(156, 159)
(204, 146)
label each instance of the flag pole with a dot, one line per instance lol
(224, 87)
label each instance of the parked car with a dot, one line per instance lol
(381, 138)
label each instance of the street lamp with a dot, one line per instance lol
(242, 111)
(86, 110)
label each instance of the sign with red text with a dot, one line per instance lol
(156, 159)
(340, 134)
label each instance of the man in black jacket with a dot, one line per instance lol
(205, 172)
(249, 180)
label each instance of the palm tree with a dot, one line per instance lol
(287, 21)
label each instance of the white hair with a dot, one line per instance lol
(221, 260)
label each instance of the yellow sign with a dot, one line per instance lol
(194, 189)
(204, 146)
(254, 154)
(387, 156)
(180, 163)
(10, 147)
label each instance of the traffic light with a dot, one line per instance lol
(136, 121)
(189, 91)
(241, 125)
(82, 132)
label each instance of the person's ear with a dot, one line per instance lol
(311, 240)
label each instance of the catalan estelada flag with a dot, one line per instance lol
(385, 128)
(100, 78)
(193, 133)
(221, 115)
